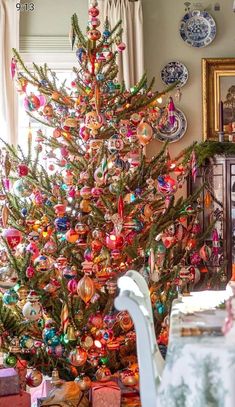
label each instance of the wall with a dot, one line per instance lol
(162, 45)
(52, 17)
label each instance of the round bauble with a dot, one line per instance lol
(166, 185)
(69, 272)
(129, 378)
(72, 286)
(93, 12)
(83, 382)
(22, 188)
(23, 170)
(31, 102)
(34, 378)
(96, 320)
(93, 121)
(32, 311)
(50, 247)
(85, 192)
(103, 374)
(12, 236)
(62, 224)
(9, 360)
(10, 297)
(71, 236)
(85, 206)
(114, 241)
(8, 277)
(144, 133)
(78, 356)
(42, 263)
(27, 342)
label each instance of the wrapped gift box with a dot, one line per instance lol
(105, 394)
(41, 391)
(9, 382)
(17, 400)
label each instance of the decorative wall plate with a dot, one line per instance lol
(174, 71)
(173, 133)
(198, 28)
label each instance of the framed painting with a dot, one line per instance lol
(218, 97)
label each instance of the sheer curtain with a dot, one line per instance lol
(9, 38)
(131, 61)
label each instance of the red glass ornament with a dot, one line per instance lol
(34, 378)
(72, 286)
(12, 236)
(93, 12)
(78, 356)
(71, 236)
(114, 241)
(96, 245)
(96, 320)
(94, 35)
(23, 170)
(85, 192)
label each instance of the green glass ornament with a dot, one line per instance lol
(104, 360)
(9, 360)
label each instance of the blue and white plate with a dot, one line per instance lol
(174, 71)
(198, 28)
(173, 133)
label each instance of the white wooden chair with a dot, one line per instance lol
(134, 298)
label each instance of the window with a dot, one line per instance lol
(27, 126)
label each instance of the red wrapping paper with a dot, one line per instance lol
(105, 394)
(18, 400)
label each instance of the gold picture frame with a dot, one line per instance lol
(218, 78)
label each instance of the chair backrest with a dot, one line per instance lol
(134, 298)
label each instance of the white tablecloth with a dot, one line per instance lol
(199, 371)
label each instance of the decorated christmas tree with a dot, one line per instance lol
(95, 208)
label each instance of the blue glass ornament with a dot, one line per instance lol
(48, 202)
(62, 224)
(80, 54)
(111, 86)
(100, 77)
(50, 337)
(26, 342)
(160, 307)
(10, 297)
(24, 212)
(64, 187)
(138, 225)
(106, 34)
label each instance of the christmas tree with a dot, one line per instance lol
(98, 207)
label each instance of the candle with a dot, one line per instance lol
(221, 116)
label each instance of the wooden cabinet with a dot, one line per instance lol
(217, 199)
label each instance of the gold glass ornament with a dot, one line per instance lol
(86, 288)
(85, 205)
(84, 382)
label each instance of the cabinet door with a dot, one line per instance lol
(214, 207)
(232, 217)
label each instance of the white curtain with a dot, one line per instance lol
(9, 38)
(131, 61)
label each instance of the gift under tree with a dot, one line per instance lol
(98, 208)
